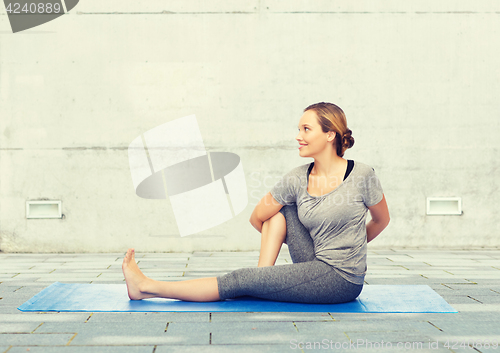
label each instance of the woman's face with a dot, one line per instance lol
(311, 138)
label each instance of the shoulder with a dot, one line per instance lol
(365, 177)
(363, 168)
(364, 174)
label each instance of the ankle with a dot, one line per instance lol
(145, 285)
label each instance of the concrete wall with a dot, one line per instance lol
(419, 82)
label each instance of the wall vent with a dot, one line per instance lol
(444, 206)
(43, 209)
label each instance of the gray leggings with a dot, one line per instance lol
(307, 280)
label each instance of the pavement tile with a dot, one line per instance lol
(84, 349)
(163, 255)
(270, 317)
(396, 281)
(449, 281)
(97, 327)
(18, 291)
(252, 332)
(478, 308)
(460, 299)
(76, 266)
(33, 272)
(392, 336)
(231, 254)
(485, 282)
(230, 348)
(495, 288)
(474, 316)
(204, 273)
(129, 333)
(486, 299)
(115, 277)
(394, 348)
(75, 279)
(157, 266)
(464, 327)
(182, 278)
(21, 317)
(163, 317)
(380, 318)
(20, 278)
(470, 291)
(34, 339)
(25, 284)
(16, 327)
(106, 281)
(156, 274)
(212, 267)
(47, 265)
(171, 263)
(104, 338)
(470, 343)
(14, 301)
(57, 277)
(367, 326)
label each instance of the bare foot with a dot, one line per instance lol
(136, 280)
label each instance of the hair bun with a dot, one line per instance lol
(347, 139)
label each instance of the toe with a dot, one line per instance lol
(127, 257)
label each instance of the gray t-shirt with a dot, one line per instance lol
(336, 221)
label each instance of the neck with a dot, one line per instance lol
(328, 165)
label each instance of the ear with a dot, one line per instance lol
(331, 136)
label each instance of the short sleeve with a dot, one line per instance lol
(373, 192)
(285, 191)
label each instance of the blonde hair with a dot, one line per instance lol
(332, 118)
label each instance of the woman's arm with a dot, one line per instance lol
(265, 209)
(380, 219)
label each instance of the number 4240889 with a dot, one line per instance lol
(33, 8)
(479, 343)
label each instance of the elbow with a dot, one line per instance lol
(252, 216)
(382, 222)
(387, 221)
(253, 219)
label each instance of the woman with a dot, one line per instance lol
(318, 209)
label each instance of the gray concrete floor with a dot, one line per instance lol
(469, 280)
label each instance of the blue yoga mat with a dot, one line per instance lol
(113, 298)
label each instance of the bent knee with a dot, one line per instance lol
(278, 223)
(279, 216)
(278, 220)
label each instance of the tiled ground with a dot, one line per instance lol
(469, 280)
